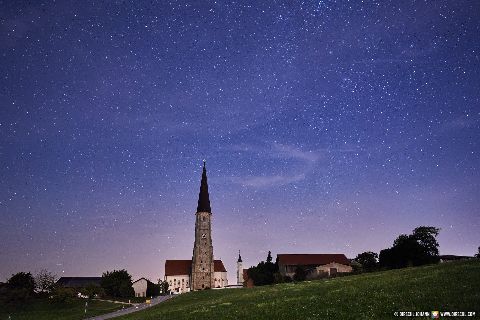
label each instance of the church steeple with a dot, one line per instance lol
(203, 266)
(203, 197)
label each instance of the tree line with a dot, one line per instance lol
(23, 286)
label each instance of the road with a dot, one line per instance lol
(135, 308)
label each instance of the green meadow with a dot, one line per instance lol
(45, 309)
(452, 286)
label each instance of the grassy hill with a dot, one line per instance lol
(44, 309)
(445, 287)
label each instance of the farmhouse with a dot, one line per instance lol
(79, 282)
(314, 264)
(143, 287)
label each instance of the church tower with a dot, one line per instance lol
(239, 270)
(202, 260)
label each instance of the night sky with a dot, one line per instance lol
(327, 127)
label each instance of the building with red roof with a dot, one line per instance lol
(178, 275)
(314, 264)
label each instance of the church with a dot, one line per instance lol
(202, 271)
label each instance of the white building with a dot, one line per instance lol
(239, 270)
(140, 286)
(178, 275)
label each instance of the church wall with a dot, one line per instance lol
(178, 283)
(220, 279)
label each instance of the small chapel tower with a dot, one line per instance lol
(202, 259)
(239, 270)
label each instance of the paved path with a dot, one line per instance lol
(115, 301)
(135, 308)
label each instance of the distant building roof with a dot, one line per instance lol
(148, 281)
(177, 267)
(218, 266)
(454, 257)
(78, 282)
(312, 259)
(184, 267)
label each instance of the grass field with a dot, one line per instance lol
(451, 286)
(44, 309)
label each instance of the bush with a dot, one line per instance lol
(16, 295)
(92, 290)
(63, 295)
(300, 274)
(317, 276)
(19, 288)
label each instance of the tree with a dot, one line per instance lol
(421, 247)
(478, 254)
(20, 287)
(163, 287)
(153, 289)
(426, 237)
(117, 283)
(263, 273)
(44, 281)
(406, 251)
(260, 274)
(22, 280)
(368, 260)
(269, 257)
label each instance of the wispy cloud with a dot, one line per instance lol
(461, 122)
(306, 161)
(268, 181)
(289, 151)
(283, 151)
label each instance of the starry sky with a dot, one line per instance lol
(327, 127)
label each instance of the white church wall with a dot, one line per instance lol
(178, 283)
(221, 280)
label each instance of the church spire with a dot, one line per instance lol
(203, 197)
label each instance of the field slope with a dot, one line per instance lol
(44, 309)
(444, 287)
